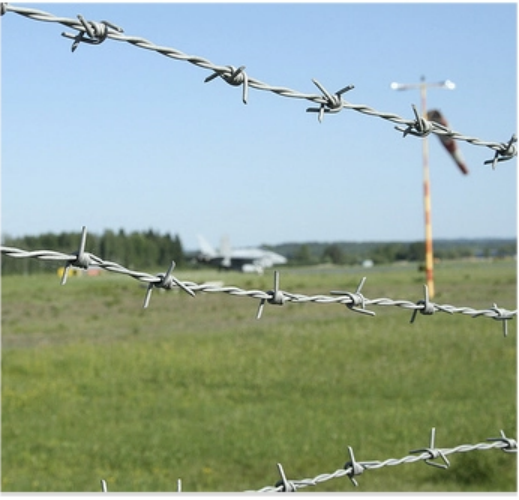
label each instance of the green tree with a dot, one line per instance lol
(334, 254)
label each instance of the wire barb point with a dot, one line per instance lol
(356, 468)
(511, 444)
(233, 76)
(502, 315)
(276, 296)
(97, 31)
(82, 259)
(433, 453)
(357, 299)
(330, 103)
(166, 281)
(288, 486)
(504, 153)
(419, 128)
(427, 308)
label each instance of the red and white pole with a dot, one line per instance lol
(429, 254)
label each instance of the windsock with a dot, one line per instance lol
(449, 143)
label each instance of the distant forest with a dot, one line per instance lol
(135, 250)
(353, 253)
(152, 251)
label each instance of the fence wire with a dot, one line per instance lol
(354, 468)
(354, 301)
(94, 33)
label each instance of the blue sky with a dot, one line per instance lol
(113, 136)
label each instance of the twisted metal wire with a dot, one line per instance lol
(94, 33)
(353, 468)
(355, 301)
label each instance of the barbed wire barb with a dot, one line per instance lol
(353, 467)
(284, 484)
(511, 444)
(433, 453)
(419, 128)
(97, 31)
(357, 299)
(275, 296)
(507, 152)
(82, 259)
(427, 307)
(234, 77)
(166, 281)
(330, 103)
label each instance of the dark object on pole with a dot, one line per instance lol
(449, 143)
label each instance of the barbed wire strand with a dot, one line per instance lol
(354, 468)
(355, 301)
(94, 33)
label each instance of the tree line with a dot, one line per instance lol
(350, 253)
(151, 251)
(145, 250)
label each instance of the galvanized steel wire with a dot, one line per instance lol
(94, 33)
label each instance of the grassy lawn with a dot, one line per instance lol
(94, 386)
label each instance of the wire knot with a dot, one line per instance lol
(502, 315)
(288, 486)
(82, 260)
(433, 453)
(419, 128)
(357, 299)
(511, 444)
(233, 76)
(504, 153)
(330, 103)
(166, 281)
(428, 308)
(96, 31)
(276, 296)
(356, 468)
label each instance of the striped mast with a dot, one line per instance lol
(429, 254)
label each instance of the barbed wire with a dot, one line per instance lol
(353, 468)
(94, 33)
(355, 301)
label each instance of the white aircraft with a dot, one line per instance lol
(246, 260)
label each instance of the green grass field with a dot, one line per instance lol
(94, 387)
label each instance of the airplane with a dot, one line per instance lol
(246, 260)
